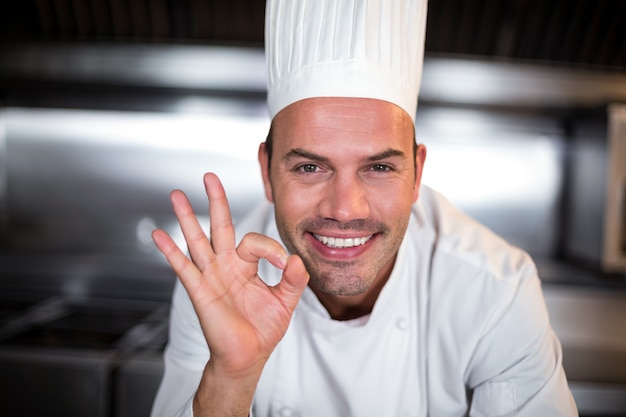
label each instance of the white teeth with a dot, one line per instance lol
(337, 242)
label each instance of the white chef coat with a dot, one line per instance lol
(459, 329)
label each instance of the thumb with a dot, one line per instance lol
(294, 280)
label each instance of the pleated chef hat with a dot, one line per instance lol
(344, 48)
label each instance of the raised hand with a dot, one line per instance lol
(242, 318)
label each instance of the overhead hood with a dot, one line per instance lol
(570, 33)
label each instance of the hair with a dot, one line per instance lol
(269, 146)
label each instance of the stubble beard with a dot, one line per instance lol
(345, 278)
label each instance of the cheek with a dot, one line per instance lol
(394, 205)
(293, 203)
(397, 195)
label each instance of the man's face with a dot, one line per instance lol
(343, 177)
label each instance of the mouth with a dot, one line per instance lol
(341, 243)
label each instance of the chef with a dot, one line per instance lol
(354, 290)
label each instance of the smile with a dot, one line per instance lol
(337, 242)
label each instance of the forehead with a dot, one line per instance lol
(342, 122)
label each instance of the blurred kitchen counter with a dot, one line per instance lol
(588, 313)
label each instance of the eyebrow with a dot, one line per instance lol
(301, 153)
(389, 153)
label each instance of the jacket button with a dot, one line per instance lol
(401, 323)
(287, 412)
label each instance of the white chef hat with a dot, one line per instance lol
(344, 48)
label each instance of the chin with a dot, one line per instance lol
(340, 286)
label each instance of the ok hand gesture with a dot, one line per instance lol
(242, 318)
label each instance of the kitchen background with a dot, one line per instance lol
(107, 105)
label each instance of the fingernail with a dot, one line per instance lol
(282, 259)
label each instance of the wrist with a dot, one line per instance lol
(220, 394)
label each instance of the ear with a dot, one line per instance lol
(264, 162)
(420, 159)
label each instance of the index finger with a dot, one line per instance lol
(222, 229)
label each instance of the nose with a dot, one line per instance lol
(345, 198)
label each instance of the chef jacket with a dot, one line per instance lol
(460, 328)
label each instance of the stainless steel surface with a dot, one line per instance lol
(590, 324)
(86, 323)
(481, 160)
(75, 356)
(3, 174)
(179, 66)
(594, 212)
(599, 400)
(476, 82)
(581, 33)
(242, 69)
(137, 381)
(586, 190)
(81, 181)
(614, 244)
(35, 383)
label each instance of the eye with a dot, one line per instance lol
(307, 168)
(380, 168)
